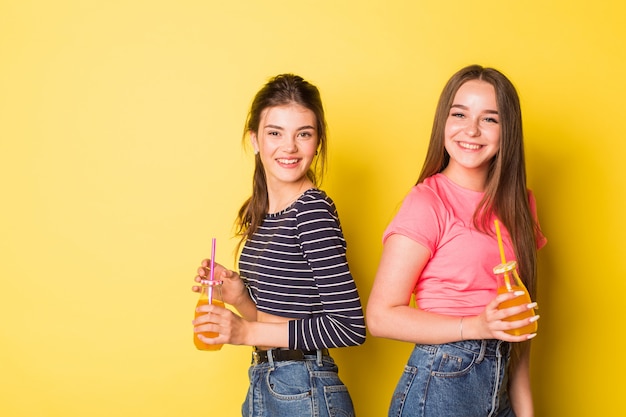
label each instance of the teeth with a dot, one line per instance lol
(469, 146)
(287, 161)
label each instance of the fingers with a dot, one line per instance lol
(510, 317)
(213, 314)
(214, 321)
(521, 326)
(501, 298)
(205, 270)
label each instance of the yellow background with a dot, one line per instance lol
(120, 157)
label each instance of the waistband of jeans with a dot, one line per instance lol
(278, 355)
(484, 347)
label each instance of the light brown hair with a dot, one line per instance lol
(506, 193)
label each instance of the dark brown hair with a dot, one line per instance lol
(279, 91)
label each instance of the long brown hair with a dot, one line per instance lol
(506, 193)
(279, 91)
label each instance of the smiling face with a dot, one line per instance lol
(472, 133)
(286, 141)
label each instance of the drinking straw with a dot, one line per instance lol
(507, 282)
(212, 273)
(500, 245)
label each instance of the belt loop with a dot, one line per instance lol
(270, 358)
(483, 348)
(319, 357)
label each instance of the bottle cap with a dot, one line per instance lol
(502, 268)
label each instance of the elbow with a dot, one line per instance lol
(360, 333)
(375, 322)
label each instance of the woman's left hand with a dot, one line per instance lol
(231, 328)
(492, 323)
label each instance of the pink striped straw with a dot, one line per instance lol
(212, 273)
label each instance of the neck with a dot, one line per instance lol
(474, 180)
(283, 197)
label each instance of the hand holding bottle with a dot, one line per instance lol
(520, 307)
(497, 323)
(210, 293)
(509, 281)
(233, 288)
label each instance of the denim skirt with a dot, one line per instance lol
(302, 388)
(460, 379)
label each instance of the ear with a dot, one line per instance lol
(254, 142)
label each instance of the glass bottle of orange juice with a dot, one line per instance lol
(210, 290)
(509, 281)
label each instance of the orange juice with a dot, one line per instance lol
(521, 300)
(196, 341)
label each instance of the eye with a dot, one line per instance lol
(306, 134)
(272, 133)
(457, 115)
(491, 120)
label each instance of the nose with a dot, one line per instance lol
(472, 128)
(291, 145)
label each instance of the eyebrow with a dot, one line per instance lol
(460, 106)
(282, 128)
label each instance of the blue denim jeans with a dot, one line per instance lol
(310, 387)
(460, 379)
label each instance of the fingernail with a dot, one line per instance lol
(518, 293)
(531, 335)
(532, 305)
(534, 318)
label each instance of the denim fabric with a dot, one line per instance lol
(461, 379)
(297, 389)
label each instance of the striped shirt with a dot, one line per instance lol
(295, 266)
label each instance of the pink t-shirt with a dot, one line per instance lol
(458, 279)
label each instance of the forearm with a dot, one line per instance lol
(413, 325)
(246, 307)
(267, 334)
(519, 387)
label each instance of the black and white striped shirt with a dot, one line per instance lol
(295, 266)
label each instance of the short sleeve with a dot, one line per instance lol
(419, 218)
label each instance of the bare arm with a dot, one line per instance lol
(519, 387)
(389, 314)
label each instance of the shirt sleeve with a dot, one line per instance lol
(341, 321)
(418, 219)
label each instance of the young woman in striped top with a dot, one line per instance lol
(294, 290)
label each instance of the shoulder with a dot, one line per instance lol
(315, 209)
(315, 199)
(427, 194)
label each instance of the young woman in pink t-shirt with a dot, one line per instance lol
(442, 247)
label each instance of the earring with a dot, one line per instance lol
(256, 152)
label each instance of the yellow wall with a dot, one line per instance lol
(120, 158)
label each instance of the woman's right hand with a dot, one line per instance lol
(233, 289)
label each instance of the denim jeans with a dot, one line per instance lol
(310, 387)
(460, 379)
